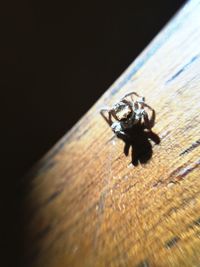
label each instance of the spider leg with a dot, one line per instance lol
(125, 101)
(152, 118)
(107, 118)
(111, 114)
(146, 120)
(141, 99)
(130, 94)
(149, 122)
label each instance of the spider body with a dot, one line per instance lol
(128, 112)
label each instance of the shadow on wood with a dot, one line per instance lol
(139, 142)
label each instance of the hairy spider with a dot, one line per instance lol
(128, 112)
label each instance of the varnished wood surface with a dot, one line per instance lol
(86, 205)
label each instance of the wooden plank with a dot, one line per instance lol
(87, 205)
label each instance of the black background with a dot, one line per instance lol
(57, 59)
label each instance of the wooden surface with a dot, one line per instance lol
(86, 205)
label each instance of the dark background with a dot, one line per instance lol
(57, 59)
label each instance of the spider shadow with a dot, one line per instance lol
(138, 139)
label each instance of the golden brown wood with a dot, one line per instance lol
(87, 206)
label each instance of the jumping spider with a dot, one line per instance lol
(128, 112)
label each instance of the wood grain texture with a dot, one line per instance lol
(86, 205)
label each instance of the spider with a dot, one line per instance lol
(128, 112)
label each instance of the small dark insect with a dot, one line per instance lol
(128, 112)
